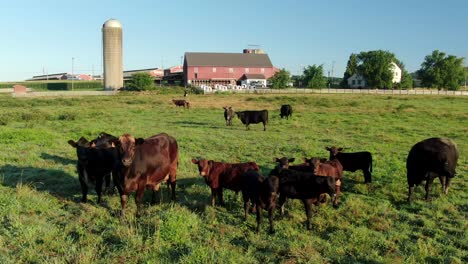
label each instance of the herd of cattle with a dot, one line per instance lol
(137, 164)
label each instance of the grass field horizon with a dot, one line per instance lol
(43, 220)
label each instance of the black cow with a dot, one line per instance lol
(94, 165)
(431, 158)
(307, 187)
(253, 117)
(286, 111)
(262, 192)
(228, 115)
(353, 161)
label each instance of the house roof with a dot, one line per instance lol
(227, 59)
(253, 76)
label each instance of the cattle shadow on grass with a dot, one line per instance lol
(55, 182)
(57, 159)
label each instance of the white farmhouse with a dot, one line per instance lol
(358, 81)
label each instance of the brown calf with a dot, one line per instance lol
(183, 103)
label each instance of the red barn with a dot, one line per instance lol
(205, 68)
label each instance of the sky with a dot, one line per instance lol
(46, 37)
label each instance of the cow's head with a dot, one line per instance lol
(82, 146)
(240, 115)
(315, 162)
(105, 140)
(204, 166)
(127, 145)
(283, 163)
(333, 151)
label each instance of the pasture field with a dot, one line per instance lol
(42, 220)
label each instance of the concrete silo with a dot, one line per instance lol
(112, 54)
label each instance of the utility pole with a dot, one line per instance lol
(333, 65)
(72, 75)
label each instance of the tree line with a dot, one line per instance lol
(438, 70)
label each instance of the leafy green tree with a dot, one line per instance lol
(141, 81)
(375, 67)
(280, 79)
(442, 71)
(351, 68)
(313, 76)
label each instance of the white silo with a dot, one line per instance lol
(112, 54)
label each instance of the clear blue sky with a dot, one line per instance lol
(43, 36)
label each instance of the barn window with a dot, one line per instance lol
(231, 70)
(246, 70)
(196, 75)
(214, 69)
(262, 70)
(195, 70)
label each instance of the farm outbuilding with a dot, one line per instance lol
(205, 68)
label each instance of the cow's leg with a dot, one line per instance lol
(271, 213)
(367, 176)
(282, 200)
(139, 198)
(443, 180)
(84, 190)
(220, 196)
(98, 187)
(123, 203)
(107, 180)
(259, 216)
(448, 180)
(308, 211)
(429, 182)
(172, 180)
(264, 126)
(213, 196)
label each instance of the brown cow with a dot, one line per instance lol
(219, 175)
(183, 103)
(331, 168)
(145, 164)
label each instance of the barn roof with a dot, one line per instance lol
(227, 59)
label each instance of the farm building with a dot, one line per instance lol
(61, 76)
(205, 68)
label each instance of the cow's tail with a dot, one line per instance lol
(370, 169)
(266, 117)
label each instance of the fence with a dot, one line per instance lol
(343, 91)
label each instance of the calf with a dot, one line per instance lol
(286, 111)
(253, 117)
(353, 161)
(228, 115)
(94, 165)
(145, 164)
(428, 159)
(330, 168)
(307, 187)
(219, 175)
(262, 193)
(183, 103)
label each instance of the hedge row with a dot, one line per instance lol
(57, 85)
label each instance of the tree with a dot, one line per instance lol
(441, 71)
(141, 81)
(351, 68)
(313, 77)
(280, 79)
(374, 66)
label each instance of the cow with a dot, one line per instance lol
(253, 117)
(145, 163)
(228, 115)
(262, 192)
(286, 111)
(353, 161)
(183, 103)
(219, 175)
(428, 159)
(104, 140)
(305, 186)
(331, 168)
(94, 165)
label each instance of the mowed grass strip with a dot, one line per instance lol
(43, 221)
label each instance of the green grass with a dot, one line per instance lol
(42, 220)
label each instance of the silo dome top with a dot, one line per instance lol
(112, 23)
